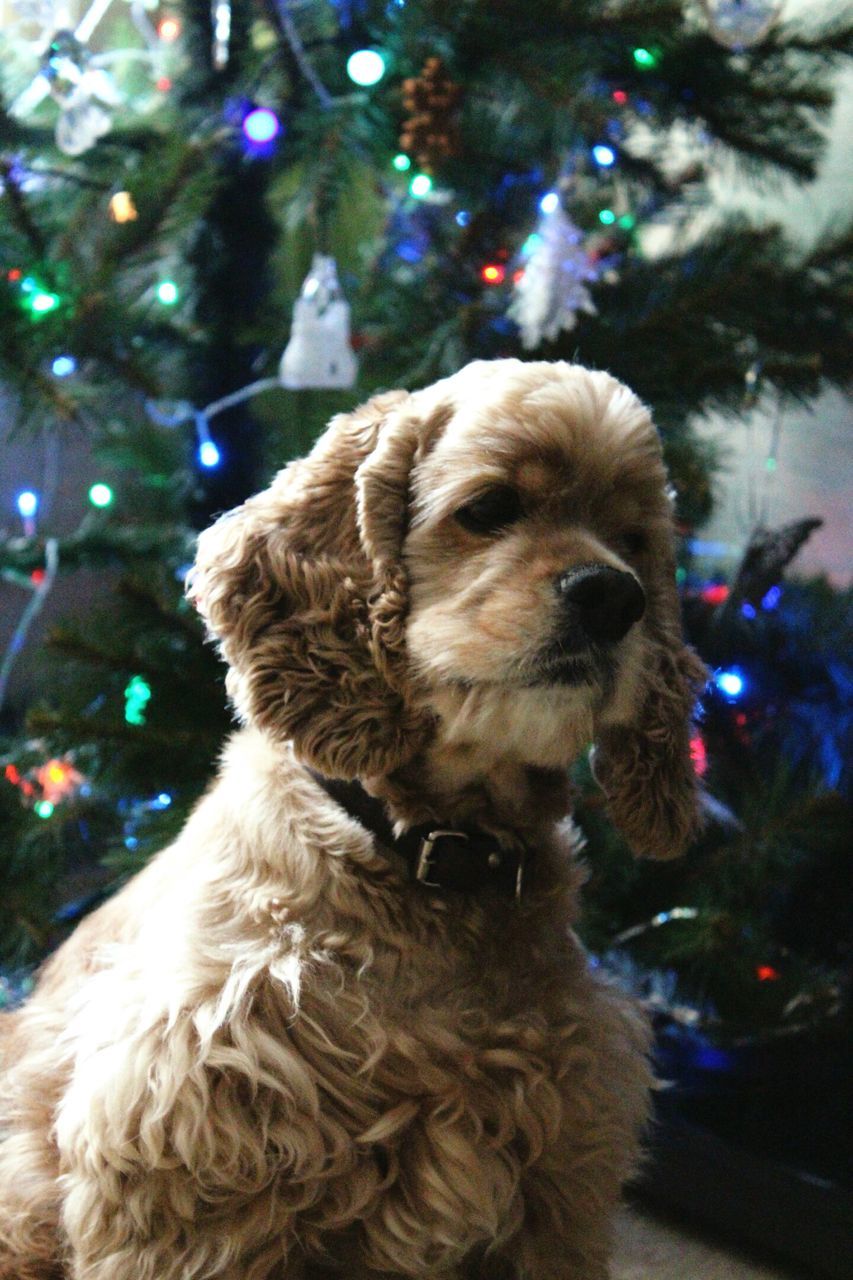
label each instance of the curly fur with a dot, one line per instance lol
(269, 1056)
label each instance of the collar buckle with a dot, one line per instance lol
(426, 856)
(476, 864)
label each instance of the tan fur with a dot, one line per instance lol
(270, 1056)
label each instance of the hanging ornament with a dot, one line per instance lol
(319, 352)
(740, 24)
(431, 134)
(81, 91)
(220, 17)
(552, 290)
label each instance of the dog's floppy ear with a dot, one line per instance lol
(307, 597)
(645, 767)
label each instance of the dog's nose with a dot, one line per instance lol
(603, 602)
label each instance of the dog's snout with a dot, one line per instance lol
(603, 602)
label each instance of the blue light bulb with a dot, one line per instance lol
(63, 366)
(27, 503)
(604, 155)
(261, 125)
(208, 454)
(730, 683)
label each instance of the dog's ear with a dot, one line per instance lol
(304, 588)
(645, 767)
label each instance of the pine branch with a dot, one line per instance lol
(91, 546)
(19, 210)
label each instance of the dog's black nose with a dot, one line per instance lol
(602, 602)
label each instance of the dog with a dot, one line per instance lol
(342, 1026)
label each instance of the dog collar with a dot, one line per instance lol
(461, 860)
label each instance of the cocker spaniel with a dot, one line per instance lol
(342, 1026)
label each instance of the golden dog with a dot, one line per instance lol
(342, 1027)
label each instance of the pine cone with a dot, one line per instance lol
(430, 134)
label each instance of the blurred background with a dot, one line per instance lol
(221, 223)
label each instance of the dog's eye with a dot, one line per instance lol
(491, 511)
(633, 542)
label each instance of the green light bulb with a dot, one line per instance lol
(646, 58)
(137, 695)
(100, 495)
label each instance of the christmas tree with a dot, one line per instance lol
(221, 224)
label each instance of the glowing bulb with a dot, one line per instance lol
(463, 217)
(420, 186)
(493, 273)
(43, 808)
(603, 155)
(121, 207)
(730, 683)
(137, 695)
(607, 216)
(366, 67)
(100, 495)
(168, 30)
(167, 292)
(261, 125)
(549, 202)
(699, 755)
(646, 58)
(41, 301)
(63, 366)
(27, 503)
(208, 454)
(401, 162)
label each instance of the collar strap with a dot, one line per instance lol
(462, 860)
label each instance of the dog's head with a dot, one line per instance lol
(489, 561)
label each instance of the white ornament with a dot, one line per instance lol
(319, 353)
(82, 93)
(740, 24)
(552, 290)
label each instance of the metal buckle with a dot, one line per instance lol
(424, 866)
(519, 878)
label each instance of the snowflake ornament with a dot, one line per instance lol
(553, 288)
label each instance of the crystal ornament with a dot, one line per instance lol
(552, 289)
(319, 354)
(740, 24)
(81, 92)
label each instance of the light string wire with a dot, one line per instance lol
(40, 593)
(301, 58)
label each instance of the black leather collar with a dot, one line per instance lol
(461, 860)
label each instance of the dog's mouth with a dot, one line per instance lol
(591, 667)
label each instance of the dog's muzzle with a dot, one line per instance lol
(598, 605)
(596, 608)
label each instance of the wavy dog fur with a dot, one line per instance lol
(270, 1055)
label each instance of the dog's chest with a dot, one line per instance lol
(446, 1100)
